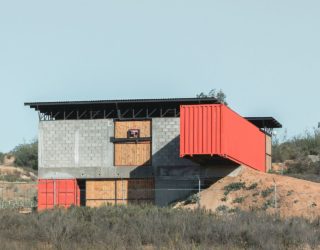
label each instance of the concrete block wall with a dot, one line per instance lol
(166, 143)
(75, 143)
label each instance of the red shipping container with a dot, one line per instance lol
(215, 129)
(61, 193)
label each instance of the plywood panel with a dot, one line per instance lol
(141, 189)
(268, 145)
(268, 163)
(133, 154)
(119, 191)
(122, 127)
(100, 189)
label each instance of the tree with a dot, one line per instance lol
(26, 155)
(219, 95)
(1, 157)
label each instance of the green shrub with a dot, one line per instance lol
(1, 157)
(267, 204)
(265, 193)
(234, 187)
(252, 186)
(238, 200)
(192, 199)
(222, 208)
(26, 155)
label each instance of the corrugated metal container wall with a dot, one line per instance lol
(215, 129)
(62, 193)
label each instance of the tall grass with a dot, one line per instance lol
(150, 227)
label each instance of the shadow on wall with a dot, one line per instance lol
(166, 162)
(177, 178)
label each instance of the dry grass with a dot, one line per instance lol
(153, 228)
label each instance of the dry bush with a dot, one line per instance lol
(136, 227)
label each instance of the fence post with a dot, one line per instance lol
(199, 191)
(275, 194)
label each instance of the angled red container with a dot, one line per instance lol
(61, 193)
(215, 129)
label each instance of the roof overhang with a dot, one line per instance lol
(129, 109)
(264, 122)
(121, 109)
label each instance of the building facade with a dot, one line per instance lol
(119, 152)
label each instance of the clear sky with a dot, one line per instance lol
(264, 54)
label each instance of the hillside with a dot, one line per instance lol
(253, 190)
(18, 186)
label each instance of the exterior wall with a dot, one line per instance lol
(82, 149)
(76, 143)
(166, 143)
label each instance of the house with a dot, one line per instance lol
(130, 151)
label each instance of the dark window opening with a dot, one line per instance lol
(134, 133)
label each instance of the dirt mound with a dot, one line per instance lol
(253, 190)
(16, 174)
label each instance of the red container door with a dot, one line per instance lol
(200, 129)
(61, 193)
(68, 193)
(45, 194)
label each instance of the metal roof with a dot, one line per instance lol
(180, 101)
(120, 109)
(264, 122)
(128, 109)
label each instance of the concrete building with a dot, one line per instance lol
(120, 151)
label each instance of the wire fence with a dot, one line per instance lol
(18, 195)
(198, 193)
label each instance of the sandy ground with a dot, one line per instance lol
(273, 193)
(20, 173)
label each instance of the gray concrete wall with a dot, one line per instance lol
(75, 143)
(81, 149)
(166, 143)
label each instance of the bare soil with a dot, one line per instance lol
(287, 196)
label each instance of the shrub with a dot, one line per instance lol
(234, 187)
(222, 208)
(26, 155)
(1, 157)
(252, 186)
(224, 198)
(238, 200)
(265, 193)
(150, 227)
(298, 147)
(192, 199)
(267, 204)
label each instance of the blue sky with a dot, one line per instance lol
(265, 55)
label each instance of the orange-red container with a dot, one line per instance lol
(215, 129)
(61, 193)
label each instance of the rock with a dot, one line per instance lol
(314, 158)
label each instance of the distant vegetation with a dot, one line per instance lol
(1, 157)
(301, 155)
(149, 227)
(26, 155)
(219, 95)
